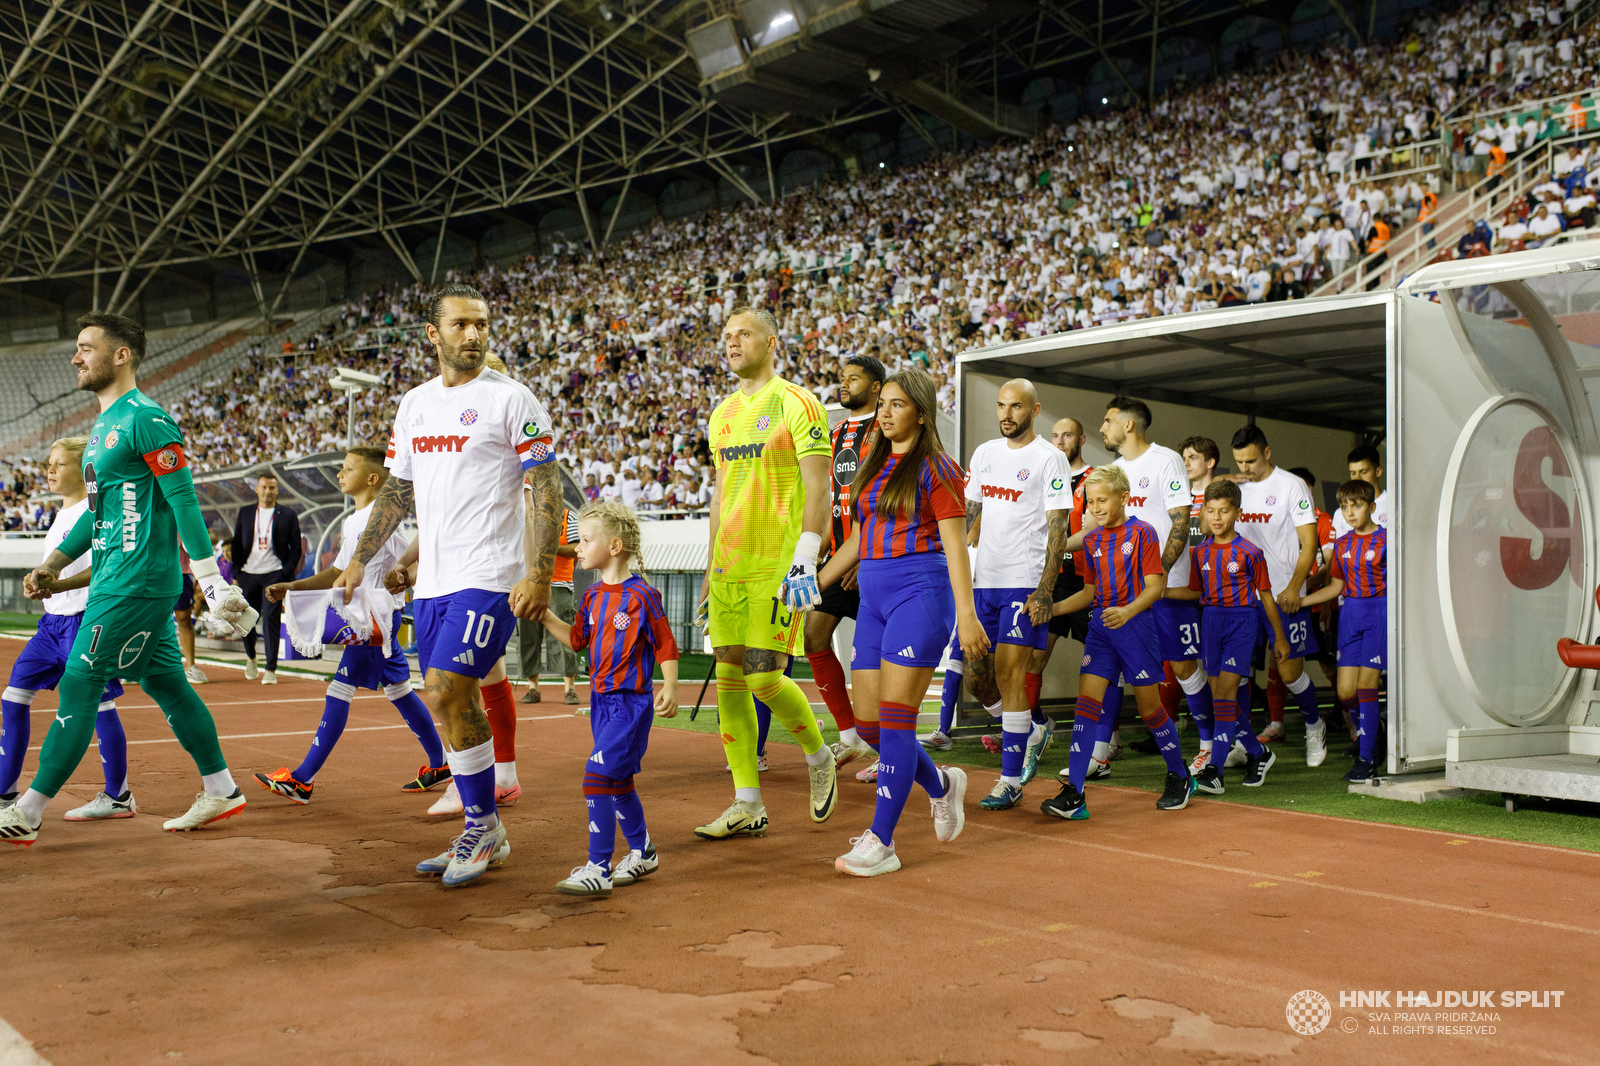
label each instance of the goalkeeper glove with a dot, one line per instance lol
(800, 591)
(225, 602)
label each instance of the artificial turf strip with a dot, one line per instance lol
(1291, 786)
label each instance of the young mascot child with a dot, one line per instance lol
(1125, 577)
(1227, 574)
(623, 624)
(1359, 572)
(908, 506)
(360, 477)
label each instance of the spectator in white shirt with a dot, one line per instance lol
(1542, 227)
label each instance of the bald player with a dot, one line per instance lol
(1068, 437)
(1020, 497)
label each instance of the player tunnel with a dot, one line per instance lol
(1473, 378)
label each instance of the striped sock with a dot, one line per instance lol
(1086, 720)
(599, 795)
(897, 766)
(1166, 735)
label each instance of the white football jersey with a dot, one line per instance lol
(77, 600)
(464, 449)
(1380, 515)
(1272, 511)
(1157, 483)
(383, 560)
(1018, 488)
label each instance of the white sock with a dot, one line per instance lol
(488, 821)
(1194, 682)
(849, 737)
(818, 757)
(1102, 751)
(1013, 781)
(33, 804)
(1299, 684)
(994, 712)
(1205, 745)
(749, 795)
(219, 783)
(505, 774)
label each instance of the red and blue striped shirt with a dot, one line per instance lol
(626, 631)
(1228, 575)
(1118, 559)
(1361, 561)
(887, 535)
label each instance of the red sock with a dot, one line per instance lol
(1171, 693)
(500, 706)
(1030, 686)
(829, 676)
(1277, 694)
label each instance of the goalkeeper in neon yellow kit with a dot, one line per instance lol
(141, 502)
(770, 505)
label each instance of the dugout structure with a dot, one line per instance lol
(1477, 378)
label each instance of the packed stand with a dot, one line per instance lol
(1254, 187)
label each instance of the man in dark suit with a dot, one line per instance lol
(266, 549)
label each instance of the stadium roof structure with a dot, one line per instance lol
(139, 137)
(1320, 362)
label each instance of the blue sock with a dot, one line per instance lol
(630, 816)
(15, 729)
(415, 712)
(1368, 722)
(477, 795)
(1014, 749)
(1088, 715)
(600, 796)
(1201, 711)
(335, 714)
(763, 726)
(113, 749)
(950, 697)
(1166, 735)
(1246, 733)
(1226, 725)
(897, 767)
(868, 732)
(1110, 717)
(928, 775)
(1306, 700)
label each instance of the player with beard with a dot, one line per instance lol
(860, 381)
(462, 448)
(1019, 496)
(141, 502)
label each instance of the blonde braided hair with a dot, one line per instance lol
(618, 520)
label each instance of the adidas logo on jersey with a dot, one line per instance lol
(1205, 568)
(1191, 651)
(598, 758)
(1230, 662)
(344, 670)
(907, 653)
(1016, 631)
(465, 658)
(1142, 676)
(1375, 658)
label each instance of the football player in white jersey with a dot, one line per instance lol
(44, 658)
(1365, 465)
(1020, 495)
(1159, 493)
(460, 449)
(1277, 516)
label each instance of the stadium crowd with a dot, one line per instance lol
(1256, 186)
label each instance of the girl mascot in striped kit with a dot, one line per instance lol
(623, 624)
(908, 505)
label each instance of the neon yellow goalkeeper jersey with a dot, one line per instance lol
(757, 443)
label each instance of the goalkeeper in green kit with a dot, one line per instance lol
(141, 503)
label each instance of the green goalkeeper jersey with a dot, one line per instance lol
(135, 549)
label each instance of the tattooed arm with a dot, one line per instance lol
(1177, 537)
(546, 512)
(974, 522)
(1043, 598)
(388, 511)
